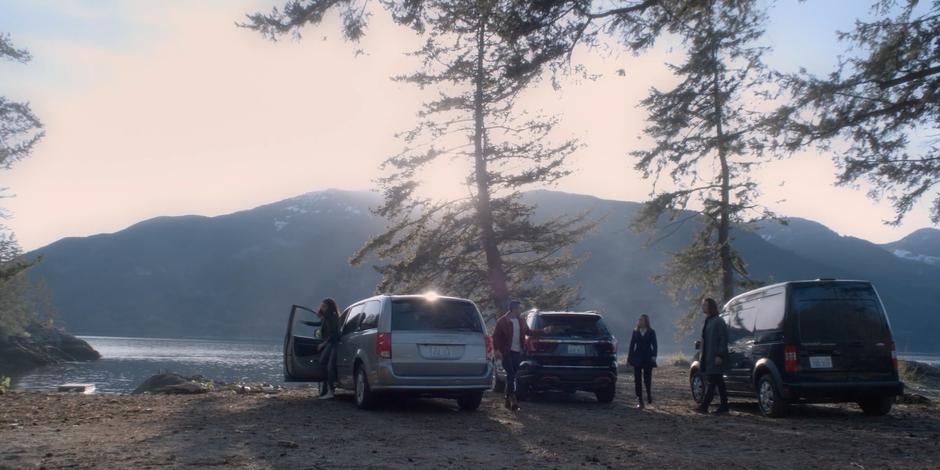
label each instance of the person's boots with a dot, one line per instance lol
(722, 409)
(508, 403)
(515, 403)
(649, 397)
(639, 403)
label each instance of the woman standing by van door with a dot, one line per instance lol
(329, 332)
(642, 356)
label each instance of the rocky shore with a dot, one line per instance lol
(42, 346)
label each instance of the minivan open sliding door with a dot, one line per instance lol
(301, 344)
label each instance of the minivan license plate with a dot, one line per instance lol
(576, 349)
(820, 362)
(433, 351)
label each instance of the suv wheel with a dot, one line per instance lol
(770, 402)
(470, 401)
(697, 384)
(365, 397)
(606, 394)
(879, 406)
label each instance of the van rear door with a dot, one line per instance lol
(301, 344)
(844, 333)
(437, 337)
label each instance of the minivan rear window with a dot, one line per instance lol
(583, 326)
(440, 314)
(839, 313)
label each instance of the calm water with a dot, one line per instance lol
(126, 362)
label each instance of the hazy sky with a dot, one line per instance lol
(166, 108)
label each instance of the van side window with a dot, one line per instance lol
(770, 312)
(740, 320)
(370, 316)
(353, 319)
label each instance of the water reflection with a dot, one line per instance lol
(126, 362)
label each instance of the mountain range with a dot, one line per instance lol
(236, 275)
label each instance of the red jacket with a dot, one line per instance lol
(502, 334)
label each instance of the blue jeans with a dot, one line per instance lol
(511, 366)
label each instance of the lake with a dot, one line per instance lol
(126, 362)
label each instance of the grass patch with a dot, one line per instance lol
(677, 359)
(4, 384)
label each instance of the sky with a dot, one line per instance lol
(168, 108)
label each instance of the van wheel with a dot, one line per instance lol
(606, 394)
(365, 397)
(470, 401)
(770, 402)
(877, 406)
(697, 384)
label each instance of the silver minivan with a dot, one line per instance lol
(424, 345)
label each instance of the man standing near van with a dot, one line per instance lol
(508, 339)
(714, 356)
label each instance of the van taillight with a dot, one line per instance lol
(383, 345)
(489, 347)
(789, 359)
(894, 357)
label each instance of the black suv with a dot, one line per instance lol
(573, 351)
(822, 341)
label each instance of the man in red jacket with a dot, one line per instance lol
(508, 341)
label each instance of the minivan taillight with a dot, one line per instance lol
(894, 357)
(789, 359)
(383, 345)
(489, 348)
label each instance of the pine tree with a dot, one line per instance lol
(706, 134)
(20, 129)
(488, 246)
(877, 111)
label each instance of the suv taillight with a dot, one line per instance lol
(894, 357)
(383, 345)
(489, 348)
(533, 345)
(789, 359)
(608, 347)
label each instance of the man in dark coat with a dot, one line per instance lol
(509, 341)
(714, 357)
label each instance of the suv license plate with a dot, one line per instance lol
(576, 350)
(820, 362)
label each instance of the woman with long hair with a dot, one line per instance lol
(642, 356)
(329, 332)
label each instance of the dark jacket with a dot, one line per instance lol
(502, 334)
(714, 344)
(643, 349)
(330, 329)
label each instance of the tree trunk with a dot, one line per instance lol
(499, 290)
(724, 211)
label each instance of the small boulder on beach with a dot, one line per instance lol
(170, 384)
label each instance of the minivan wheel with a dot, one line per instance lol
(697, 383)
(771, 403)
(470, 401)
(879, 406)
(365, 397)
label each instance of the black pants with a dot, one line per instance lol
(328, 361)
(643, 375)
(715, 381)
(511, 366)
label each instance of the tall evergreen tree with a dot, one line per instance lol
(706, 134)
(488, 245)
(877, 113)
(20, 129)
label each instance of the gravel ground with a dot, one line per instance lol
(292, 429)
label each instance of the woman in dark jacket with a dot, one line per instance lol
(329, 314)
(642, 356)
